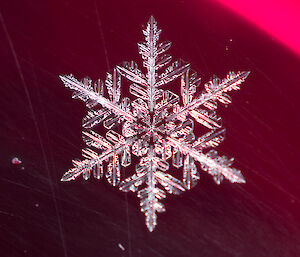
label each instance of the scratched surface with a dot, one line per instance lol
(41, 133)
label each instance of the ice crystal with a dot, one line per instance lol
(156, 126)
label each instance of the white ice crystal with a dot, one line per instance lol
(156, 126)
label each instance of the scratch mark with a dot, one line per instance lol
(7, 213)
(128, 228)
(17, 63)
(102, 35)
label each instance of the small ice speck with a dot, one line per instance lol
(121, 246)
(16, 161)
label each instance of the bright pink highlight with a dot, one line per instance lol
(279, 18)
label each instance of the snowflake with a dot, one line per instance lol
(156, 126)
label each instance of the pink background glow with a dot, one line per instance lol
(279, 18)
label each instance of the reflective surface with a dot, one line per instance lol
(41, 127)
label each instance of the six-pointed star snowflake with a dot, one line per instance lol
(157, 126)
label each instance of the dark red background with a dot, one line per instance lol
(41, 125)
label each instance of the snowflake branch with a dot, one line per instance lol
(132, 183)
(190, 173)
(132, 73)
(175, 70)
(113, 85)
(189, 84)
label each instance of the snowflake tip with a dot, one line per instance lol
(152, 19)
(68, 176)
(65, 178)
(150, 228)
(241, 179)
(245, 74)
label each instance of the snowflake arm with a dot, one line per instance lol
(151, 171)
(210, 162)
(93, 160)
(87, 93)
(215, 90)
